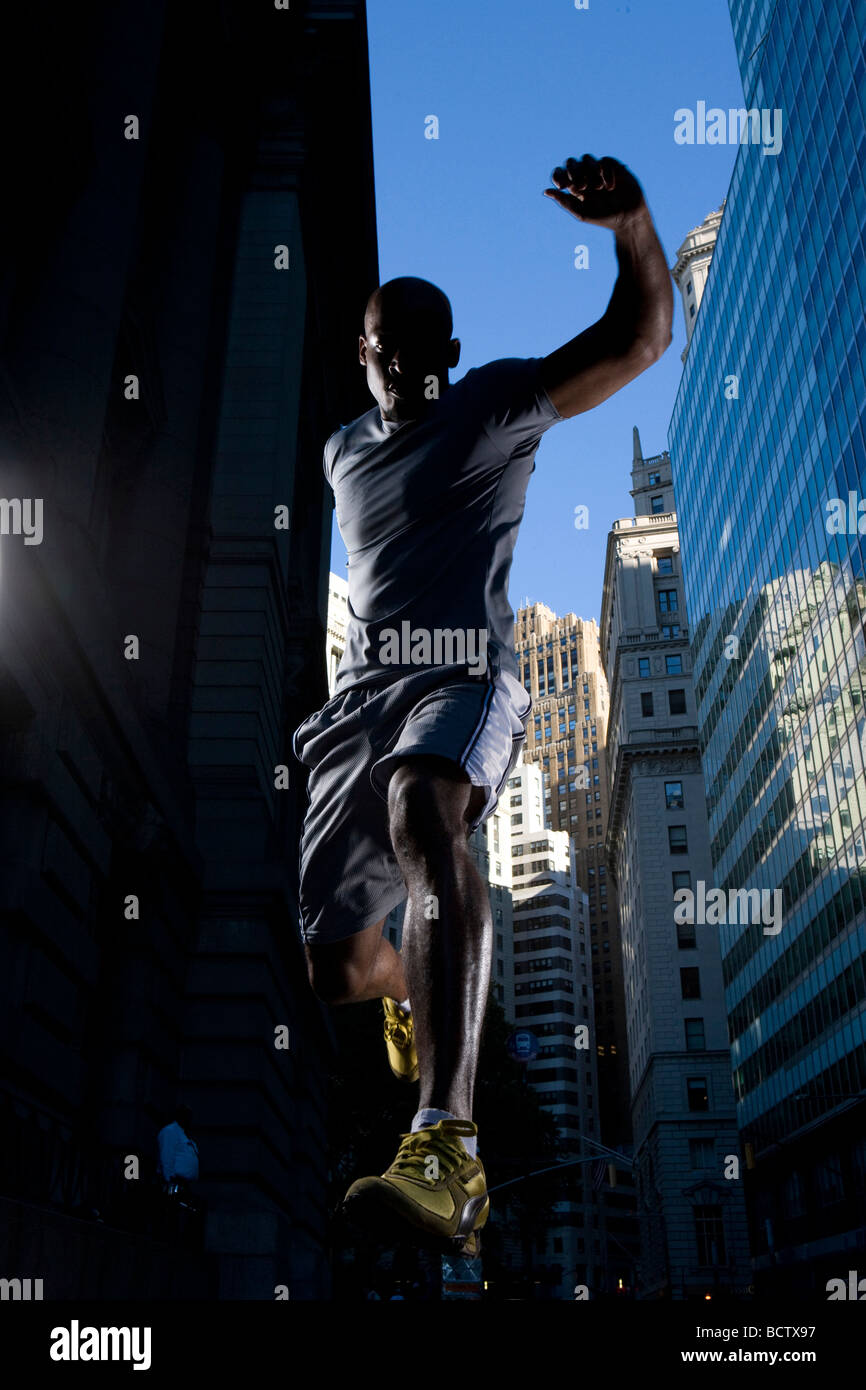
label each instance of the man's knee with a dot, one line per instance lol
(427, 808)
(335, 973)
(339, 971)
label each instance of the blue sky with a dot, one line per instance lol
(518, 87)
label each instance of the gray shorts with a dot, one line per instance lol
(349, 875)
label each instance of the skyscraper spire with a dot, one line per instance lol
(638, 455)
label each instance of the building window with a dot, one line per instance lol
(677, 840)
(702, 1153)
(690, 982)
(672, 631)
(646, 703)
(793, 1195)
(827, 1174)
(668, 601)
(658, 504)
(710, 1234)
(677, 701)
(674, 798)
(858, 1165)
(665, 564)
(686, 937)
(696, 1087)
(695, 1037)
(654, 479)
(643, 666)
(674, 665)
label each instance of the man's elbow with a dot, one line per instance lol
(646, 351)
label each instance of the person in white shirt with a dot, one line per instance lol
(178, 1154)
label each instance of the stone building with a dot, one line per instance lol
(690, 1170)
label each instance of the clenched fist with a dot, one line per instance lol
(601, 191)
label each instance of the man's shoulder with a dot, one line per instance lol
(361, 429)
(512, 385)
(501, 371)
(511, 402)
(345, 433)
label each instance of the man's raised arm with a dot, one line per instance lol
(635, 328)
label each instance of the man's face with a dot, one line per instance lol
(404, 346)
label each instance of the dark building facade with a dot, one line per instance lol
(768, 443)
(182, 286)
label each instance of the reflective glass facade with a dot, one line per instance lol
(769, 426)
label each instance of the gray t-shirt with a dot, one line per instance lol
(429, 511)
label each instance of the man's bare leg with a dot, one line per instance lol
(447, 929)
(447, 946)
(444, 966)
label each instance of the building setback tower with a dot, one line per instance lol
(560, 664)
(691, 1210)
(768, 447)
(693, 266)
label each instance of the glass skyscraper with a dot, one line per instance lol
(768, 450)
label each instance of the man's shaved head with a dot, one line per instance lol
(407, 346)
(408, 294)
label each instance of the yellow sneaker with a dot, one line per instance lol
(400, 1041)
(433, 1186)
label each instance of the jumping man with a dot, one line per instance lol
(428, 715)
